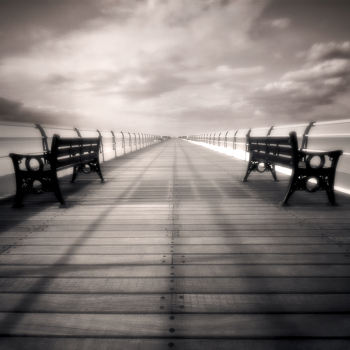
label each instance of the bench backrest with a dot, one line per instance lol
(280, 150)
(67, 152)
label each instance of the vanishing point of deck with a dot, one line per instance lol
(175, 251)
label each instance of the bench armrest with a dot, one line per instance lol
(305, 156)
(307, 152)
(41, 158)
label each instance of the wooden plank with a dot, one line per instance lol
(80, 248)
(295, 259)
(96, 221)
(11, 343)
(33, 239)
(261, 303)
(170, 285)
(179, 303)
(99, 227)
(112, 260)
(81, 234)
(87, 303)
(262, 233)
(86, 241)
(165, 270)
(203, 326)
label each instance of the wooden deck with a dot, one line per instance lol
(175, 251)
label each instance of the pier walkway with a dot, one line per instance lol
(174, 251)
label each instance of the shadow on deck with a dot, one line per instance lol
(175, 251)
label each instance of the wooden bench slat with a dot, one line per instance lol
(62, 162)
(283, 140)
(286, 151)
(63, 142)
(278, 160)
(67, 151)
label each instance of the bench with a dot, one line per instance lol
(79, 153)
(311, 170)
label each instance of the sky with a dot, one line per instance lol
(174, 67)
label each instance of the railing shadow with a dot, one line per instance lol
(13, 318)
(263, 287)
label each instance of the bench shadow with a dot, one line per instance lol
(10, 322)
(251, 189)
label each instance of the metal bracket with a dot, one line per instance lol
(235, 139)
(305, 138)
(270, 130)
(43, 138)
(77, 131)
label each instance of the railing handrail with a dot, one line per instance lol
(42, 135)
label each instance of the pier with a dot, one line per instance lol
(174, 251)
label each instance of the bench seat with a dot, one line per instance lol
(311, 170)
(81, 154)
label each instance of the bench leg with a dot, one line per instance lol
(19, 192)
(99, 172)
(18, 200)
(249, 170)
(330, 191)
(291, 188)
(75, 173)
(57, 190)
(273, 172)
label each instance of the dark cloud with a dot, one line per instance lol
(152, 88)
(14, 111)
(329, 51)
(23, 23)
(324, 77)
(57, 79)
(138, 84)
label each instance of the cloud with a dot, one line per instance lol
(324, 70)
(332, 50)
(14, 111)
(23, 23)
(319, 83)
(142, 87)
(121, 62)
(280, 23)
(57, 79)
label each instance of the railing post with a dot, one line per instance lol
(123, 141)
(269, 132)
(101, 145)
(43, 138)
(77, 131)
(305, 138)
(235, 140)
(246, 144)
(225, 143)
(135, 140)
(139, 140)
(130, 145)
(114, 144)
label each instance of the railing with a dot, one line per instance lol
(29, 138)
(325, 136)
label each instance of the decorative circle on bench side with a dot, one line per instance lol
(37, 166)
(86, 169)
(312, 183)
(261, 167)
(315, 162)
